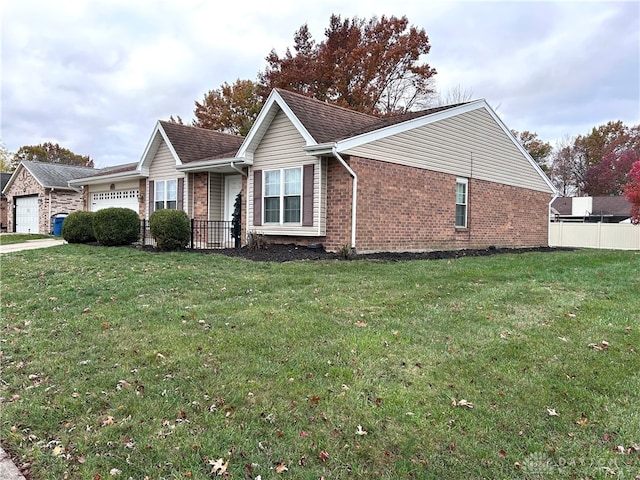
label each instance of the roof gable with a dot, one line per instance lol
(189, 144)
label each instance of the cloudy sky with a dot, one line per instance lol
(95, 76)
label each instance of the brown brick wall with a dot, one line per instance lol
(404, 208)
(142, 197)
(409, 209)
(201, 196)
(4, 209)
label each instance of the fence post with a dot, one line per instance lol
(192, 233)
(143, 223)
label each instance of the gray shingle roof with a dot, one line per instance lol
(55, 175)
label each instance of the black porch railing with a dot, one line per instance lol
(205, 234)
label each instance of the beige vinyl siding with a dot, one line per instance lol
(282, 147)
(105, 187)
(163, 167)
(468, 145)
(216, 196)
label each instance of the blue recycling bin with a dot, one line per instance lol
(57, 226)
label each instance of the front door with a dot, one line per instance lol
(232, 187)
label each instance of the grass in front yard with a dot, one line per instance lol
(10, 238)
(129, 363)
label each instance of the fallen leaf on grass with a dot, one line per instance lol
(360, 431)
(324, 456)
(108, 421)
(461, 403)
(598, 348)
(360, 324)
(218, 467)
(86, 310)
(59, 450)
(582, 422)
(552, 412)
(281, 468)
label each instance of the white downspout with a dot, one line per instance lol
(354, 198)
(50, 226)
(232, 165)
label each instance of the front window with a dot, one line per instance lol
(283, 195)
(166, 193)
(461, 202)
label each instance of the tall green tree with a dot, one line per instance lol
(51, 153)
(537, 148)
(370, 66)
(231, 108)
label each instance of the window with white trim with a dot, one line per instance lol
(166, 194)
(461, 202)
(282, 196)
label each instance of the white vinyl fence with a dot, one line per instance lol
(618, 236)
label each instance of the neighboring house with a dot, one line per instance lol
(4, 179)
(604, 209)
(309, 172)
(37, 191)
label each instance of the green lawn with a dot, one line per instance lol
(10, 238)
(119, 363)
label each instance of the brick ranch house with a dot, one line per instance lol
(445, 178)
(37, 191)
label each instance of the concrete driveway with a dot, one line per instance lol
(31, 245)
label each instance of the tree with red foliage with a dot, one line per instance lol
(632, 192)
(368, 66)
(608, 176)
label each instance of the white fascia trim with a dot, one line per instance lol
(14, 177)
(320, 149)
(369, 137)
(266, 115)
(204, 165)
(130, 175)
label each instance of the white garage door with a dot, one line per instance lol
(27, 214)
(115, 198)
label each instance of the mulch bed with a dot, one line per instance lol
(286, 253)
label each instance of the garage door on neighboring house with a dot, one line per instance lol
(27, 214)
(115, 198)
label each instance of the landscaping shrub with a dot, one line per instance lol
(78, 227)
(116, 226)
(257, 241)
(171, 229)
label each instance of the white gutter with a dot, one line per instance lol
(207, 165)
(354, 198)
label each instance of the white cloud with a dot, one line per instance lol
(96, 75)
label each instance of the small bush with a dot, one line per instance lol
(171, 229)
(78, 227)
(257, 241)
(346, 252)
(116, 226)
